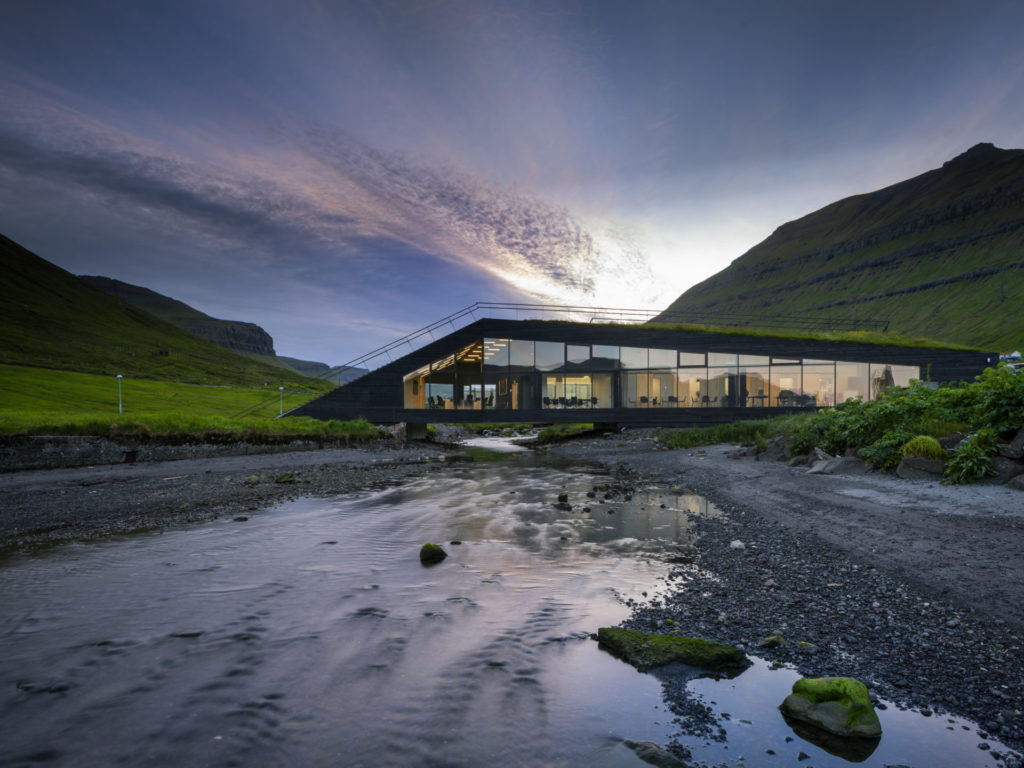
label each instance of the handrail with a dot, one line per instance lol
(601, 314)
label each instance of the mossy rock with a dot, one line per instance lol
(839, 705)
(431, 554)
(646, 650)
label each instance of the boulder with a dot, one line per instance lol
(1017, 483)
(920, 468)
(799, 461)
(1006, 469)
(825, 467)
(820, 455)
(431, 554)
(772, 641)
(1015, 448)
(776, 450)
(950, 442)
(651, 753)
(839, 705)
(647, 650)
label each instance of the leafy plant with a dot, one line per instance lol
(885, 453)
(973, 458)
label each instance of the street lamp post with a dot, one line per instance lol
(281, 390)
(120, 408)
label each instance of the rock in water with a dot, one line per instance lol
(839, 705)
(651, 753)
(431, 554)
(646, 650)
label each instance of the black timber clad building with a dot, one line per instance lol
(531, 371)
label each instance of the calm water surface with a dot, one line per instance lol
(311, 635)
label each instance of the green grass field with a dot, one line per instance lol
(40, 401)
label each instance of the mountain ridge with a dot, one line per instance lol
(939, 255)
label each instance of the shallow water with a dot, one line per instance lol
(310, 634)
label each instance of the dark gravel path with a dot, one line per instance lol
(913, 587)
(41, 508)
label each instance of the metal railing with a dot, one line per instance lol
(513, 311)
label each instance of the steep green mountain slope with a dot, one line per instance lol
(940, 255)
(248, 339)
(51, 319)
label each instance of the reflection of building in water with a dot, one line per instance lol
(558, 371)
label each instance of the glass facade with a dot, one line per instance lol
(515, 374)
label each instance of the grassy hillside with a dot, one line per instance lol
(939, 256)
(51, 319)
(38, 401)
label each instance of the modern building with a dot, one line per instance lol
(532, 371)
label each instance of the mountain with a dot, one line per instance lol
(940, 255)
(245, 338)
(51, 319)
(230, 334)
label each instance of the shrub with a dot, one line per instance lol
(884, 453)
(973, 459)
(924, 446)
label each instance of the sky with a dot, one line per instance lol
(343, 173)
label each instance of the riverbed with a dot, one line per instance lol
(308, 632)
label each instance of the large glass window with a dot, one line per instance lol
(553, 392)
(549, 355)
(663, 389)
(601, 394)
(721, 390)
(721, 358)
(604, 357)
(495, 354)
(662, 358)
(571, 391)
(884, 376)
(785, 388)
(523, 391)
(819, 384)
(469, 377)
(691, 359)
(520, 355)
(852, 381)
(690, 387)
(577, 355)
(635, 388)
(633, 357)
(753, 384)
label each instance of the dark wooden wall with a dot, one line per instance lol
(378, 396)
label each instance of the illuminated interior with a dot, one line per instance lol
(515, 374)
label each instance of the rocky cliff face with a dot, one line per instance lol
(233, 334)
(939, 255)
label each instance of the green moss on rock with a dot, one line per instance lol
(645, 650)
(839, 705)
(432, 553)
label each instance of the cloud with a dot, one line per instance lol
(317, 194)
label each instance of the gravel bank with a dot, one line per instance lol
(40, 508)
(913, 587)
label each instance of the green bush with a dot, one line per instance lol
(924, 446)
(973, 458)
(884, 453)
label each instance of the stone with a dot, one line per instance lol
(950, 442)
(825, 467)
(737, 544)
(647, 650)
(1006, 469)
(839, 705)
(799, 461)
(1015, 448)
(820, 455)
(772, 641)
(1017, 483)
(430, 554)
(920, 468)
(563, 497)
(776, 450)
(651, 753)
